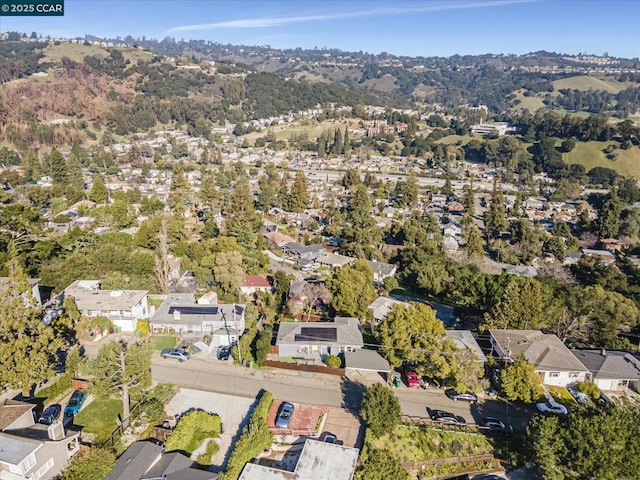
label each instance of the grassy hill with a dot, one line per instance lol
(590, 155)
(588, 82)
(77, 51)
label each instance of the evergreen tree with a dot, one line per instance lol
(179, 191)
(29, 347)
(121, 367)
(380, 409)
(242, 221)
(609, 216)
(520, 381)
(75, 178)
(99, 192)
(209, 195)
(284, 199)
(267, 197)
(495, 217)
(520, 306)
(31, 166)
(473, 240)
(352, 289)
(468, 200)
(299, 197)
(347, 142)
(58, 168)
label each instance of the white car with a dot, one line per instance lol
(552, 407)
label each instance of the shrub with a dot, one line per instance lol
(162, 391)
(380, 409)
(192, 430)
(57, 389)
(92, 465)
(206, 458)
(334, 361)
(143, 327)
(256, 437)
(588, 388)
(153, 408)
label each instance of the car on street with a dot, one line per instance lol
(75, 403)
(50, 414)
(175, 353)
(285, 412)
(552, 407)
(446, 417)
(224, 352)
(466, 396)
(495, 425)
(413, 380)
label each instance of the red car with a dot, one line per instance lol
(413, 380)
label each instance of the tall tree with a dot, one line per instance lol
(242, 221)
(162, 267)
(520, 381)
(520, 307)
(380, 409)
(495, 217)
(58, 167)
(121, 368)
(609, 216)
(299, 197)
(179, 191)
(352, 289)
(473, 240)
(29, 347)
(227, 272)
(98, 192)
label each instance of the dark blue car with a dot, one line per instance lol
(50, 415)
(75, 403)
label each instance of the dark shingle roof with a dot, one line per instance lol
(612, 364)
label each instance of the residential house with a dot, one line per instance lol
(606, 257)
(465, 340)
(450, 244)
(33, 282)
(611, 370)
(123, 307)
(313, 340)
(318, 460)
(521, 270)
(381, 271)
(334, 260)
(381, 307)
(553, 361)
(256, 283)
(30, 451)
(451, 229)
(179, 313)
(278, 239)
(302, 252)
(145, 460)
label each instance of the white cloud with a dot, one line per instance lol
(281, 21)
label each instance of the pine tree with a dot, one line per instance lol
(284, 195)
(609, 216)
(242, 221)
(31, 166)
(74, 167)
(495, 218)
(179, 190)
(29, 347)
(347, 143)
(473, 240)
(99, 192)
(468, 200)
(58, 168)
(299, 197)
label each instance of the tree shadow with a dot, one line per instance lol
(352, 394)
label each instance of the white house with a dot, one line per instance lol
(123, 307)
(553, 361)
(611, 370)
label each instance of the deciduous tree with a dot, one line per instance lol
(520, 381)
(380, 409)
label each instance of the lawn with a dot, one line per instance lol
(454, 139)
(590, 155)
(588, 82)
(562, 396)
(160, 343)
(411, 444)
(99, 418)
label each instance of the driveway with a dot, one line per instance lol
(233, 410)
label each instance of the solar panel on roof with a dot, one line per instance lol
(315, 334)
(204, 310)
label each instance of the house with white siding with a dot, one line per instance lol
(553, 361)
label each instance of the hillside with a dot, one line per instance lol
(589, 82)
(590, 155)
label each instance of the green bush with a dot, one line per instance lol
(92, 465)
(153, 408)
(143, 327)
(589, 388)
(162, 391)
(206, 458)
(57, 389)
(333, 361)
(256, 437)
(192, 430)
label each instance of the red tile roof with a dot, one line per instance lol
(256, 281)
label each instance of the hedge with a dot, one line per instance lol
(193, 429)
(57, 389)
(256, 437)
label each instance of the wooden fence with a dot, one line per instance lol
(305, 368)
(440, 466)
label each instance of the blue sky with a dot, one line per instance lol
(419, 27)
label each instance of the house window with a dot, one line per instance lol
(574, 375)
(554, 374)
(42, 470)
(28, 463)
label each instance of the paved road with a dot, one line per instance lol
(316, 389)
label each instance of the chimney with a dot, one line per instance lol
(603, 352)
(56, 431)
(176, 315)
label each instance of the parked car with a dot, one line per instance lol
(330, 438)
(50, 414)
(75, 403)
(224, 352)
(466, 396)
(176, 353)
(579, 396)
(285, 411)
(552, 407)
(494, 425)
(413, 380)
(446, 417)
